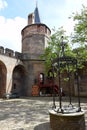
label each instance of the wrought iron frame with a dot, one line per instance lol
(61, 62)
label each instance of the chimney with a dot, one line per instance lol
(31, 18)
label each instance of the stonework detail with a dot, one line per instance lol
(67, 122)
(35, 29)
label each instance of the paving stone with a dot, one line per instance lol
(30, 113)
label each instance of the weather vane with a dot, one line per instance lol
(36, 2)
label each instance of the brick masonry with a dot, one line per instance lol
(35, 90)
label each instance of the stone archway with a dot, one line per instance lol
(19, 78)
(3, 74)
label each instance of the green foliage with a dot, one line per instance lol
(79, 42)
(79, 37)
(80, 28)
(54, 47)
(81, 56)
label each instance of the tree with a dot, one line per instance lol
(79, 37)
(80, 28)
(53, 50)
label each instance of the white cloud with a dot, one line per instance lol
(72, 6)
(57, 13)
(10, 32)
(3, 4)
(69, 26)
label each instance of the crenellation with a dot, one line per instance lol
(9, 52)
(18, 55)
(1, 50)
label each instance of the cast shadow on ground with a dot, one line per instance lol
(43, 126)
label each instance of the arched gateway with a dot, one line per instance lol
(19, 81)
(3, 74)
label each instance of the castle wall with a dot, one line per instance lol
(9, 63)
(82, 82)
(10, 53)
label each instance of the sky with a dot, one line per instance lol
(53, 13)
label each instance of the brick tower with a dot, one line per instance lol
(34, 39)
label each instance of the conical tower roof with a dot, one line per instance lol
(36, 16)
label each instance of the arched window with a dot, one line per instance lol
(41, 78)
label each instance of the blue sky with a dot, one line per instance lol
(13, 17)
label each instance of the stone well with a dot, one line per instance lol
(71, 121)
(68, 117)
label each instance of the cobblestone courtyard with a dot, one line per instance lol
(30, 113)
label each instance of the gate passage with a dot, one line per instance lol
(46, 88)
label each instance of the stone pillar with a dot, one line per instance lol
(72, 121)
